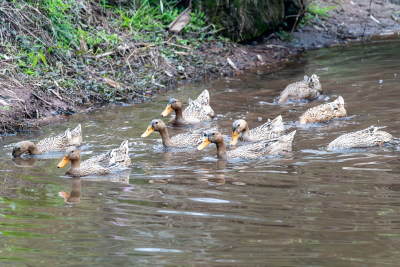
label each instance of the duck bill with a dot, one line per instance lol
(235, 137)
(204, 144)
(148, 131)
(63, 162)
(167, 110)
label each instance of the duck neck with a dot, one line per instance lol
(33, 149)
(179, 116)
(74, 170)
(221, 149)
(166, 141)
(246, 133)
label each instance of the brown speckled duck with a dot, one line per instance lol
(324, 112)
(308, 89)
(112, 160)
(180, 140)
(54, 143)
(251, 151)
(269, 130)
(197, 111)
(370, 136)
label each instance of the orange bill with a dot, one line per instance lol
(204, 144)
(63, 162)
(148, 131)
(235, 137)
(63, 194)
(167, 110)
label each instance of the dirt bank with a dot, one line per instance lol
(143, 71)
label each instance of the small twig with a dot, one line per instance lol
(38, 97)
(56, 94)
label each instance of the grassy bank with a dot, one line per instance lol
(76, 54)
(71, 46)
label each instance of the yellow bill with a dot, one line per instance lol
(235, 137)
(167, 110)
(63, 162)
(204, 144)
(148, 131)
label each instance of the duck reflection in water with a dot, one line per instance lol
(75, 196)
(215, 176)
(25, 162)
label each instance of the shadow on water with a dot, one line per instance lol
(310, 207)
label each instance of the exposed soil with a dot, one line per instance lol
(26, 104)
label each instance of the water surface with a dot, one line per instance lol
(310, 207)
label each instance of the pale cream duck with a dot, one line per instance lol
(113, 160)
(308, 89)
(259, 149)
(53, 143)
(371, 136)
(324, 112)
(180, 140)
(268, 130)
(197, 111)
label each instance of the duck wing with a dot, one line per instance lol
(76, 136)
(268, 130)
(55, 143)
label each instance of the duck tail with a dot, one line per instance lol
(339, 100)
(76, 134)
(288, 137)
(204, 98)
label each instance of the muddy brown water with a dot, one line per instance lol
(310, 207)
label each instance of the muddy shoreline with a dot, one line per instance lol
(27, 104)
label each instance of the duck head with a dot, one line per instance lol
(172, 104)
(24, 147)
(212, 137)
(155, 125)
(72, 154)
(238, 127)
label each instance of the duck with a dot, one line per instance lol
(192, 138)
(113, 160)
(371, 136)
(324, 112)
(251, 151)
(308, 89)
(53, 143)
(197, 111)
(268, 130)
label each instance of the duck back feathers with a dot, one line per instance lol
(370, 136)
(324, 112)
(308, 89)
(271, 129)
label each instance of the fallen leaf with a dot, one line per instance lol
(232, 64)
(180, 22)
(112, 83)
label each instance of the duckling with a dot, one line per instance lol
(180, 140)
(370, 136)
(113, 160)
(54, 143)
(197, 111)
(251, 151)
(268, 130)
(324, 112)
(308, 89)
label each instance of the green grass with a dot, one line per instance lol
(316, 12)
(66, 46)
(319, 9)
